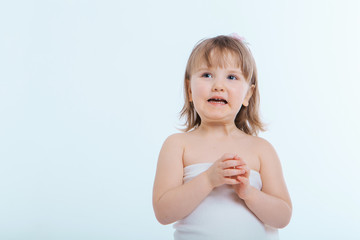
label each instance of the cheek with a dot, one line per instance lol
(238, 93)
(242, 90)
(238, 96)
(196, 93)
(198, 90)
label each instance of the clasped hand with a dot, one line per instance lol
(232, 170)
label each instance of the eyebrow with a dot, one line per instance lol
(233, 70)
(202, 69)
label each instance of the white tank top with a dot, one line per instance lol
(222, 214)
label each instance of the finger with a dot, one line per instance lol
(241, 161)
(231, 181)
(232, 163)
(243, 180)
(233, 172)
(246, 171)
(228, 156)
(244, 166)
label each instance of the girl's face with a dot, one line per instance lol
(218, 93)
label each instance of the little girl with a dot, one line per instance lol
(218, 180)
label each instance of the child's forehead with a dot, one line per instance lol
(230, 68)
(218, 59)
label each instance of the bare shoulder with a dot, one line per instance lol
(180, 139)
(270, 165)
(264, 149)
(169, 171)
(259, 141)
(271, 170)
(172, 149)
(176, 138)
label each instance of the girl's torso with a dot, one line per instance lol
(198, 149)
(222, 214)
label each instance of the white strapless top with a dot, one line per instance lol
(222, 214)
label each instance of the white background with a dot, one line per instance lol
(89, 90)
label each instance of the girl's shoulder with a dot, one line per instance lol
(181, 140)
(180, 136)
(259, 141)
(266, 153)
(177, 136)
(178, 139)
(261, 145)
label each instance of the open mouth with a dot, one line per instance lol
(217, 100)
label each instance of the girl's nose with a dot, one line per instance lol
(218, 89)
(218, 86)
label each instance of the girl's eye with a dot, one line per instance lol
(232, 77)
(207, 75)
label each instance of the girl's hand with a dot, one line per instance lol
(243, 187)
(225, 170)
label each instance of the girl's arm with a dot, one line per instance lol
(173, 200)
(272, 205)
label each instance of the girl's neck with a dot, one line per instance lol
(216, 130)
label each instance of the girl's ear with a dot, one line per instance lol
(189, 90)
(248, 95)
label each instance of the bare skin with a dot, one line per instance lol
(171, 200)
(233, 154)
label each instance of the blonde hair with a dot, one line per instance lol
(214, 52)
